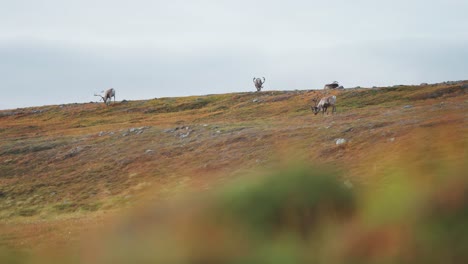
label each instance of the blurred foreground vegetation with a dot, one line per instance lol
(417, 213)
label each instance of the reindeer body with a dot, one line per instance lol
(259, 83)
(323, 104)
(332, 85)
(107, 98)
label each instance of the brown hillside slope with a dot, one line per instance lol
(61, 167)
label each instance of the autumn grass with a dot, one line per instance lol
(69, 164)
(412, 211)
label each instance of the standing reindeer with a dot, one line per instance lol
(107, 96)
(323, 104)
(258, 83)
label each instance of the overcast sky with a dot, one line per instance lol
(56, 52)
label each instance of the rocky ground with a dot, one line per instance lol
(65, 168)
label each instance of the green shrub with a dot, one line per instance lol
(296, 198)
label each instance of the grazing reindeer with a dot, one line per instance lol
(258, 83)
(323, 104)
(107, 96)
(332, 85)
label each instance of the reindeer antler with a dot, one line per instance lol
(102, 97)
(315, 100)
(264, 79)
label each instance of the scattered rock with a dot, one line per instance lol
(407, 106)
(125, 162)
(184, 135)
(135, 130)
(391, 139)
(182, 131)
(452, 82)
(256, 100)
(73, 152)
(340, 141)
(348, 130)
(149, 151)
(9, 113)
(172, 130)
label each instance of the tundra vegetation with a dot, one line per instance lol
(223, 179)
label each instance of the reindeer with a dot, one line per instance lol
(332, 85)
(107, 96)
(323, 104)
(258, 83)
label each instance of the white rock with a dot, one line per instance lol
(340, 141)
(184, 135)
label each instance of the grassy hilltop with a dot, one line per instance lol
(239, 178)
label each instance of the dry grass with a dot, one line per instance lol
(63, 167)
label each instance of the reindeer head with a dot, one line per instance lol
(315, 109)
(102, 97)
(332, 85)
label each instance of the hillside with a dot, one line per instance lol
(65, 169)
